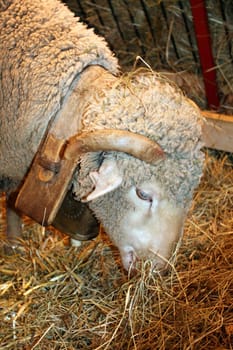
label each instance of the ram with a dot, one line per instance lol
(125, 148)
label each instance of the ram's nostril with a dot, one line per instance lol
(129, 257)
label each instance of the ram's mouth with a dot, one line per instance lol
(129, 258)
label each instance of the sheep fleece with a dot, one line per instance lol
(43, 49)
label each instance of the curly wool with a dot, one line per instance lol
(43, 50)
(145, 104)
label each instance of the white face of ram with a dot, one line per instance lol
(150, 226)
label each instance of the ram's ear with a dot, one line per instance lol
(105, 180)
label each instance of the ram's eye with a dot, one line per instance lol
(143, 195)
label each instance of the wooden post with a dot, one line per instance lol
(218, 131)
(200, 22)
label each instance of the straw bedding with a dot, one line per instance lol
(56, 297)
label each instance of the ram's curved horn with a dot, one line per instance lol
(134, 144)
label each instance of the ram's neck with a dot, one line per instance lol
(93, 84)
(90, 83)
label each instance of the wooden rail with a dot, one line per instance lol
(218, 131)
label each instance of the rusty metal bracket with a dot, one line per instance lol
(47, 182)
(48, 179)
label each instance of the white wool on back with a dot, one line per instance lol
(43, 50)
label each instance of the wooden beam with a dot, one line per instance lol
(218, 131)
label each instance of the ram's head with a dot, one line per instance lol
(140, 199)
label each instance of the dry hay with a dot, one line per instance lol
(57, 297)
